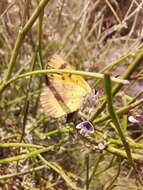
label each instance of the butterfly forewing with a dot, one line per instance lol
(57, 62)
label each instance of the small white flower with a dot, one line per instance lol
(103, 145)
(132, 119)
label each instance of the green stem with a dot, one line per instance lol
(7, 176)
(109, 187)
(24, 156)
(21, 35)
(17, 145)
(129, 71)
(125, 117)
(14, 55)
(122, 110)
(95, 168)
(87, 171)
(26, 102)
(40, 34)
(131, 144)
(119, 152)
(64, 71)
(117, 124)
(116, 151)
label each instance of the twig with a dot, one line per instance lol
(113, 11)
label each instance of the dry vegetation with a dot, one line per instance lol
(48, 154)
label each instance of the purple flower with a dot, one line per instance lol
(85, 127)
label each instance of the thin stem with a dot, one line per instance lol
(115, 120)
(17, 145)
(106, 168)
(114, 12)
(116, 151)
(129, 71)
(114, 178)
(125, 117)
(24, 156)
(87, 171)
(64, 71)
(40, 34)
(122, 153)
(26, 104)
(95, 168)
(60, 12)
(120, 111)
(21, 35)
(7, 176)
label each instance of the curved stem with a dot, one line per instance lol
(62, 71)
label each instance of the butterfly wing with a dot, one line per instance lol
(63, 97)
(65, 93)
(50, 103)
(57, 62)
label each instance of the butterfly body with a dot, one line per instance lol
(64, 93)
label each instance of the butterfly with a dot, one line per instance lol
(64, 93)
